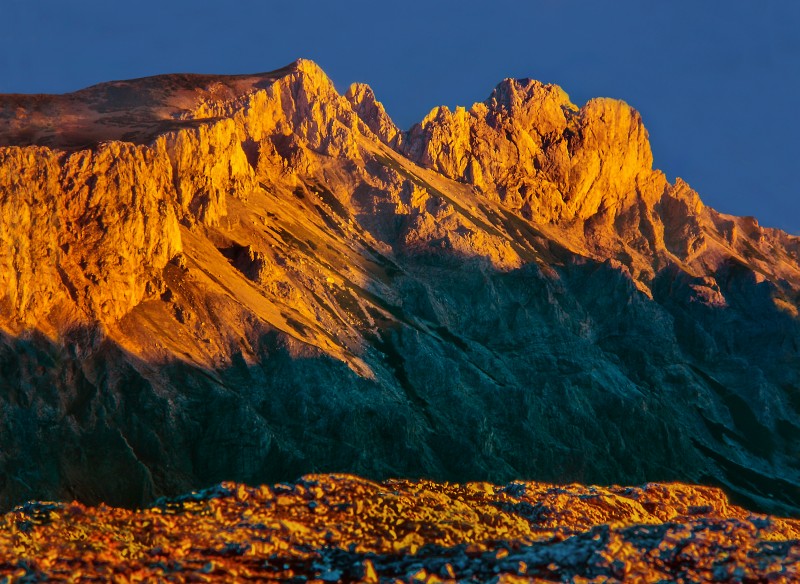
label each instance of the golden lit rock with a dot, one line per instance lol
(446, 532)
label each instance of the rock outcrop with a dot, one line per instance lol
(339, 528)
(86, 231)
(207, 278)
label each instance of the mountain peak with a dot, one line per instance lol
(511, 93)
(309, 67)
(544, 157)
(372, 112)
(313, 74)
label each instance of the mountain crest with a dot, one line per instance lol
(584, 171)
(520, 97)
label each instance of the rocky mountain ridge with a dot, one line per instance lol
(210, 278)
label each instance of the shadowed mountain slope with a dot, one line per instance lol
(208, 278)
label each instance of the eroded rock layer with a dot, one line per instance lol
(338, 528)
(248, 278)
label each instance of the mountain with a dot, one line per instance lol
(248, 278)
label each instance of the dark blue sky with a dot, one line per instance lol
(717, 82)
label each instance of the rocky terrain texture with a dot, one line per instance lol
(333, 528)
(250, 278)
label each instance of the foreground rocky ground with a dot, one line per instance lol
(328, 528)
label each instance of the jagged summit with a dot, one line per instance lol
(250, 277)
(372, 112)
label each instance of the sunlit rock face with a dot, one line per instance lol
(253, 277)
(339, 528)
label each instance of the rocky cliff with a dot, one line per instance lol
(248, 278)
